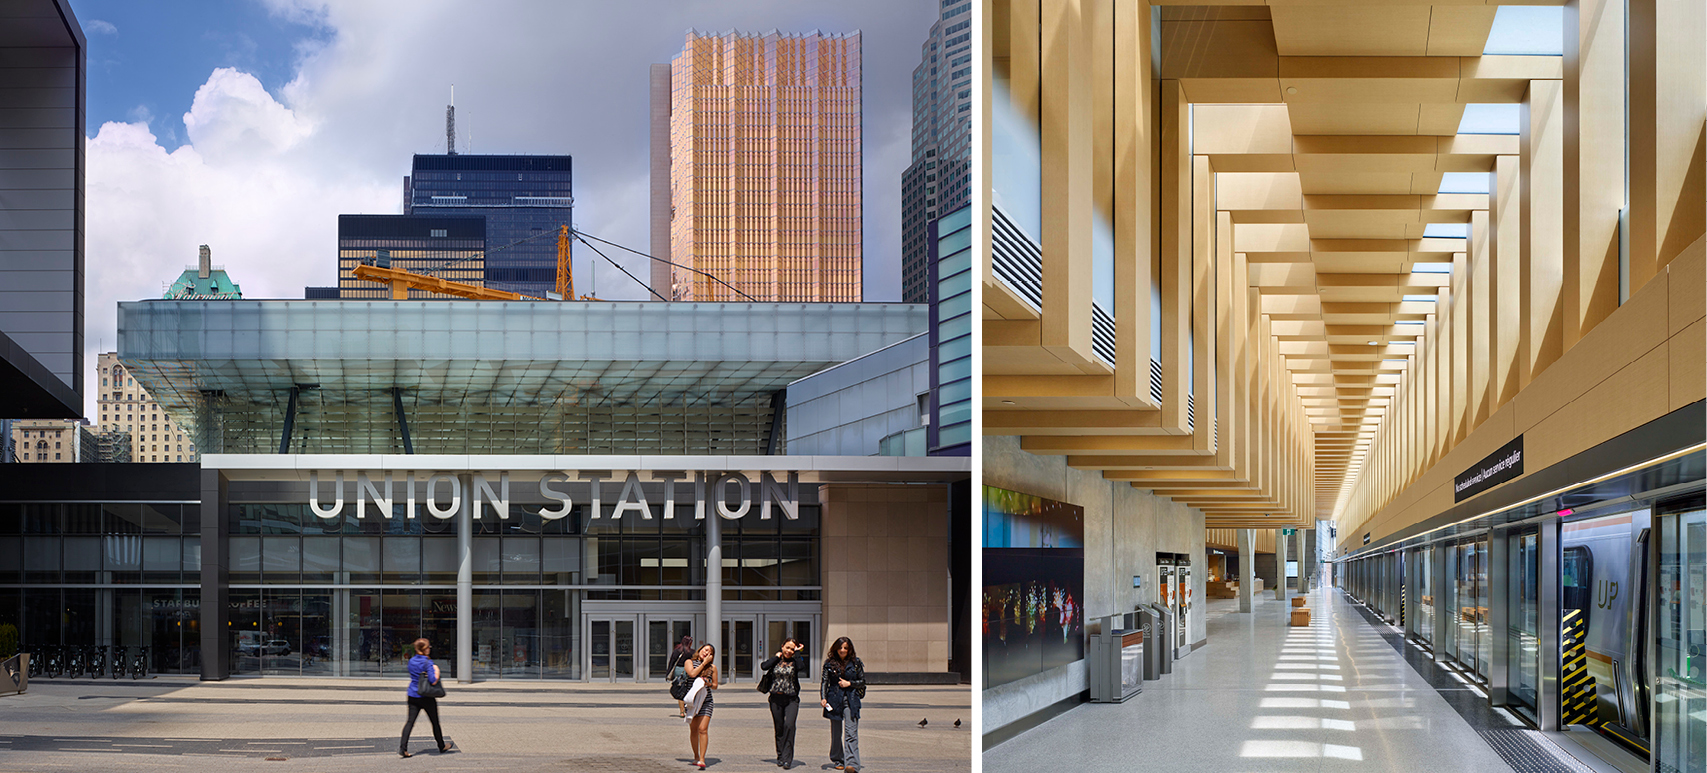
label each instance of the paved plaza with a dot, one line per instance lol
(177, 723)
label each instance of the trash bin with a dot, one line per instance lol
(1116, 658)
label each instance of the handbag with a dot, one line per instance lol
(427, 688)
(767, 680)
(679, 688)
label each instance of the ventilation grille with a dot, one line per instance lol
(1156, 381)
(1102, 334)
(1016, 259)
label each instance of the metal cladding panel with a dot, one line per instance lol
(41, 196)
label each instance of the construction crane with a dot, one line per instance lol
(401, 282)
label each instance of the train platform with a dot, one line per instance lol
(1343, 694)
(279, 724)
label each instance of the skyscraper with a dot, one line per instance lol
(446, 246)
(520, 196)
(939, 180)
(765, 167)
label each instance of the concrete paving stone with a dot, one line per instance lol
(178, 723)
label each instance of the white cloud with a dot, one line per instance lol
(248, 185)
(100, 27)
(264, 175)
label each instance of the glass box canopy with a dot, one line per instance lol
(490, 377)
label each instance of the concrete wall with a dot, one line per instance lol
(885, 570)
(847, 409)
(1124, 529)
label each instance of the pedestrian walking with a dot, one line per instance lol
(781, 683)
(842, 688)
(702, 668)
(424, 693)
(678, 660)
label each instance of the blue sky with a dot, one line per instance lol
(147, 58)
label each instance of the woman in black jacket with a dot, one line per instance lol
(842, 688)
(784, 669)
(677, 668)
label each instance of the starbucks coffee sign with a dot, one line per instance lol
(731, 495)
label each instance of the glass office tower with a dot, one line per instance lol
(525, 200)
(765, 167)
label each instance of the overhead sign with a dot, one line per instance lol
(1288, 532)
(1499, 467)
(731, 494)
(1366, 538)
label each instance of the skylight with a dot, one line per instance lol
(1410, 321)
(1446, 231)
(1429, 298)
(1527, 30)
(1490, 119)
(1464, 182)
(1431, 268)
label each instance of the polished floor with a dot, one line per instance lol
(1263, 696)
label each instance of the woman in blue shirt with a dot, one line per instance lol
(422, 663)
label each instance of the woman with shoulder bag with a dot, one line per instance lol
(702, 669)
(842, 688)
(781, 684)
(424, 694)
(679, 682)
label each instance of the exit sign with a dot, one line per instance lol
(1288, 532)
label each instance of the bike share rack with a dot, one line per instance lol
(93, 661)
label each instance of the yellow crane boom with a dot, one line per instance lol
(402, 281)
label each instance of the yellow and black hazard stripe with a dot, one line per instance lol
(1576, 688)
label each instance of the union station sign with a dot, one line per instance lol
(732, 495)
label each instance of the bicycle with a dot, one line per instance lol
(35, 662)
(55, 661)
(139, 663)
(96, 658)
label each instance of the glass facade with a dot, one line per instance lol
(490, 377)
(525, 201)
(346, 596)
(113, 574)
(951, 332)
(766, 172)
(447, 247)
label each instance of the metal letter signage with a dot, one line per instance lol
(729, 493)
(1499, 467)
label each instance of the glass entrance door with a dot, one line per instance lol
(778, 628)
(610, 649)
(736, 660)
(1680, 675)
(1522, 643)
(662, 636)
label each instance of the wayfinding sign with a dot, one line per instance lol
(1499, 467)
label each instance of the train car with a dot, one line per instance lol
(1603, 574)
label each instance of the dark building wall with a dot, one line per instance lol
(42, 65)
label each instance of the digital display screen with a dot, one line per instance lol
(1034, 570)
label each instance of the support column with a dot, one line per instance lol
(215, 590)
(1279, 565)
(465, 582)
(714, 571)
(1247, 569)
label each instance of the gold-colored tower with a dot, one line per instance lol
(765, 167)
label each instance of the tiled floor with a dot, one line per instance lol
(1262, 696)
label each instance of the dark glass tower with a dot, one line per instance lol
(522, 197)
